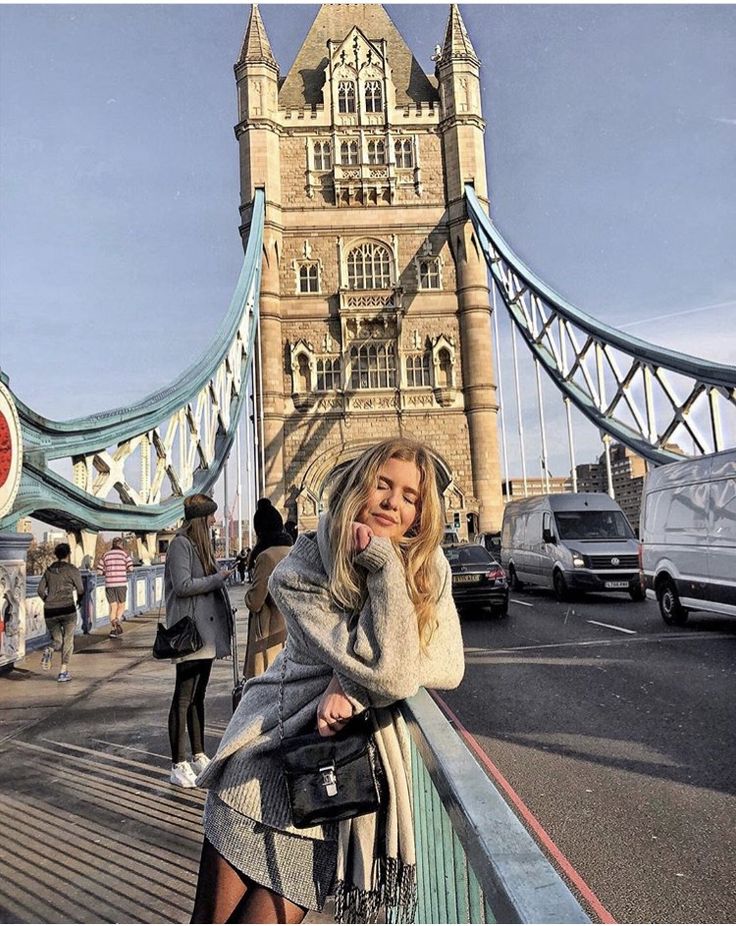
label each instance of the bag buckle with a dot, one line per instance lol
(329, 779)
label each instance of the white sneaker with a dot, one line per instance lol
(182, 775)
(199, 763)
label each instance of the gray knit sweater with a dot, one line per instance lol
(378, 660)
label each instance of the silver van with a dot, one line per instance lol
(571, 542)
(688, 531)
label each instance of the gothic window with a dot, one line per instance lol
(445, 368)
(417, 370)
(373, 366)
(373, 96)
(376, 152)
(349, 152)
(369, 267)
(322, 155)
(308, 279)
(346, 96)
(404, 152)
(328, 374)
(429, 273)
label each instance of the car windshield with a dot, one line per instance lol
(468, 556)
(592, 525)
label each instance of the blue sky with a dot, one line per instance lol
(611, 145)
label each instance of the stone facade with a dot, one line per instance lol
(375, 314)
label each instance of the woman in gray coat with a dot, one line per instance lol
(194, 587)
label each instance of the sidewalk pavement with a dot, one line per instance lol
(92, 831)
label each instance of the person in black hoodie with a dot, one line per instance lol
(56, 589)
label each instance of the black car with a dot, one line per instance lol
(477, 579)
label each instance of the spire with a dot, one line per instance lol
(256, 47)
(457, 42)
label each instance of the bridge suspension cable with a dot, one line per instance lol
(653, 400)
(132, 466)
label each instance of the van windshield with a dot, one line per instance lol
(593, 525)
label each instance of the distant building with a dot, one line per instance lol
(514, 488)
(24, 526)
(628, 470)
(54, 536)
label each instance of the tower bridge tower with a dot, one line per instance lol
(374, 297)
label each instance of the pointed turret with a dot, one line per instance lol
(457, 42)
(256, 47)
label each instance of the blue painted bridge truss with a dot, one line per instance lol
(132, 466)
(659, 403)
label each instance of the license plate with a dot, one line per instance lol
(616, 584)
(467, 580)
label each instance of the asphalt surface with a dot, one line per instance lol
(621, 744)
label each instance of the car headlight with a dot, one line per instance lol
(577, 558)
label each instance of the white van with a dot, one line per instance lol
(688, 531)
(571, 542)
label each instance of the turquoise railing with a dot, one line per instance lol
(475, 861)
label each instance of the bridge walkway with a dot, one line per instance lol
(92, 830)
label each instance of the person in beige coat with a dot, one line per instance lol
(266, 627)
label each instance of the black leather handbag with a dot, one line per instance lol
(332, 778)
(182, 639)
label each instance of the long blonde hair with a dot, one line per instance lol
(349, 494)
(198, 533)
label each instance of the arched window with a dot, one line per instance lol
(308, 277)
(349, 152)
(322, 155)
(376, 152)
(328, 374)
(369, 267)
(373, 366)
(445, 368)
(417, 370)
(404, 152)
(429, 273)
(373, 96)
(346, 96)
(303, 374)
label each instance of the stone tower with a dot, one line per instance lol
(374, 297)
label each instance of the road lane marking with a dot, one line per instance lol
(585, 891)
(648, 638)
(525, 603)
(610, 626)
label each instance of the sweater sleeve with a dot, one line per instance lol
(179, 559)
(78, 584)
(390, 663)
(43, 588)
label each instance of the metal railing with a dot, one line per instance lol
(475, 861)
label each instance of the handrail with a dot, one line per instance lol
(517, 883)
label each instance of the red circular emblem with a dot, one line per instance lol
(6, 449)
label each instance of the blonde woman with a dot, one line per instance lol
(368, 607)
(194, 586)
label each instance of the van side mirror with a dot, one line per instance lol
(547, 535)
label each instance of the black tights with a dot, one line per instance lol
(187, 708)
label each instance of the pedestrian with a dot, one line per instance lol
(266, 627)
(241, 563)
(194, 586)
(116, 565)
(367, 600)
(57, 590)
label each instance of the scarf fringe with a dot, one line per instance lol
(394, 887)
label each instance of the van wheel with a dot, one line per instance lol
(561, 589)
(516, 585)
(669, 603)
(636, 590)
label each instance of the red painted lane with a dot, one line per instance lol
(546, 840)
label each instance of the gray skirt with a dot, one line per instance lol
(298, 868)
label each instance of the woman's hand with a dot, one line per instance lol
(334, 709)
(362, 536)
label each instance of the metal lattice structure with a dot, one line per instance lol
(649, 398)
(132, 466)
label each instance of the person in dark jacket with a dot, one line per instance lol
(266, 627)
(56, 589)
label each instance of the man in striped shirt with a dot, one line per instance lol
(115, 566)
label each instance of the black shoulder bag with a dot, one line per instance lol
(182, 639)
(330, 778)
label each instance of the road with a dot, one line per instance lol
(621, 744)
